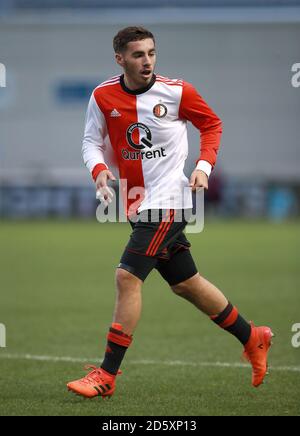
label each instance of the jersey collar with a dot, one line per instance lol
(137, 91)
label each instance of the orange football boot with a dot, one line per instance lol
(256, 352)
(97, 383)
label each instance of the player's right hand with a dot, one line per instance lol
(103, 192)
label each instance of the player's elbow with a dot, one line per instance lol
(213, 126)
(220, 125)
(217, 125)
(85, 155)
(89, 151)
(84, 148)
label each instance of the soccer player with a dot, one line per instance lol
(145, 117)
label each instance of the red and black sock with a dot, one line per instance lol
(117, 344)
(231, 321)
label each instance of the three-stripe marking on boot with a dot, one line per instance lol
(103, 390)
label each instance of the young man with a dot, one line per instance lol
(145, 117)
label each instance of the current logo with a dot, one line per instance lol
(140, 143)
(145, 141)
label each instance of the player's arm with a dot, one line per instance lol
(195, 109)
(93, 150)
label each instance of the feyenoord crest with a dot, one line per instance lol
(160, 110)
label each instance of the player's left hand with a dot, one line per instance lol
(198, 180)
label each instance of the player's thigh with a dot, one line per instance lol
(152, 235)
(137, 264)
(178, 268)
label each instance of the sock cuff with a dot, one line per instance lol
(231, 319)
(118, 337)
(226, 318)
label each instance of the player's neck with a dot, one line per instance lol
(132, 85)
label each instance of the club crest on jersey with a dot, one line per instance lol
(160, 110)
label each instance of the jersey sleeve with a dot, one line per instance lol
(195, 109)
(93, 145)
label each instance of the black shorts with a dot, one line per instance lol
(157, 241)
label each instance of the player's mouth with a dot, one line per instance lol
(146, 73)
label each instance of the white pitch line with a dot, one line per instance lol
(141, 362)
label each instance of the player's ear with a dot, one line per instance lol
(119, 59)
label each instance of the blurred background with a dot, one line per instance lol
(238, 53)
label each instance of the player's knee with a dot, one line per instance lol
(181, 289)
(125, 280)
(184, 288)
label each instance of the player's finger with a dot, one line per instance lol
(199, 186)
(99, 195)
(204, 185)
(110, 193)
(111, 176)
(192, 180)
(101, 198)
(105, 195)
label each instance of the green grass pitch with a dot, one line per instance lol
(57, 298)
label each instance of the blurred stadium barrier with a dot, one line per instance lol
(240, 62)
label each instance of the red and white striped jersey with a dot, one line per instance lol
(147, 131)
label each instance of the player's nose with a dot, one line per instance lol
(147, 61)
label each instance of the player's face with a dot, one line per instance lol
(138, 62)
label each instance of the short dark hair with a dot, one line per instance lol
(130, 34)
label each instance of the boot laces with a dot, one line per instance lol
(96, 375)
